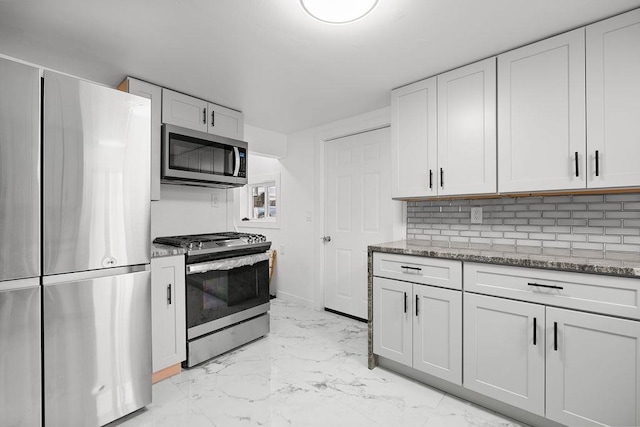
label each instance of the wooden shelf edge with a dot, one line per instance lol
(165, 373)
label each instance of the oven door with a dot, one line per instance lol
(227, 291)
(190, 155)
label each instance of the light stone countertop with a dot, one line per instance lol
(158, 250)
(579, 261)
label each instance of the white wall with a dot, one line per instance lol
(299, 272)
(188, 210)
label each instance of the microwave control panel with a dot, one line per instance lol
(242, 172)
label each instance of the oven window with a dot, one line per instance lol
(201, 156)
(219, 293)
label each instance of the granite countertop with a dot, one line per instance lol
(581, 261)
(158, 250)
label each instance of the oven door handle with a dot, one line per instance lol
(227, 263)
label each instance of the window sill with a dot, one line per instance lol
(258, 224)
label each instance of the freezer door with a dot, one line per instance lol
(20, 380)
(19, 171)
(97, 150)
(97, 348)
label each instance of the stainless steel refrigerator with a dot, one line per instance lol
(96, 250)
(20, 349)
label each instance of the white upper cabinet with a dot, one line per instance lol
(414, 140)
(613, 101)
(467, 130)
(154, 93)
(541, 115)
(194, 113)
(225, 122)
(184, 110)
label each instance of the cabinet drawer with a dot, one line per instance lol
(409, 268)
(618, 296)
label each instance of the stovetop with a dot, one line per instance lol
(202, 244)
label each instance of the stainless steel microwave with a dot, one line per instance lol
(190, 157)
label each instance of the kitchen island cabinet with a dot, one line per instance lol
(552, 345)
(504, 350)
(419, 324)
(168, 316)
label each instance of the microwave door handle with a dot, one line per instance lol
(236, 169)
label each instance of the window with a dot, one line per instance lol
(263, 201)
(260, 202)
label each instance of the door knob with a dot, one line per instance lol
(326, 239)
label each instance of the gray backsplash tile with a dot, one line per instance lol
(583, 222)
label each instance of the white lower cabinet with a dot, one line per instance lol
(502, 359)
(168, 317)
(419, 326)
(593, 369)
(571, 367)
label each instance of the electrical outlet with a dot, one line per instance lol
(476, 215)
(215, 200)
(281, 251)
(308, 216)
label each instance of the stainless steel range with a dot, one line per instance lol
(227, 281)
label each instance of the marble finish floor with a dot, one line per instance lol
(311, 370)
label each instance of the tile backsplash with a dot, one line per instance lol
(534, 224)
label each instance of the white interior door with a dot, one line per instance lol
(358, 212)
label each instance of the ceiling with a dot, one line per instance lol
(267, 58)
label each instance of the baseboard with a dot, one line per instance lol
(165, 373)
(501, 408)
(295, 299)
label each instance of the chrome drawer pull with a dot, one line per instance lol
(411, 268)
(545, 286)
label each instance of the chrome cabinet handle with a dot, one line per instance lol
(577, 170)
(169, 294)
(597, 163)
(411, 268)
(204, 116)
(430, 178)
(213, 119)
(555, 336)
(417, 299)
(405, 302)
(441, 178)
(534, 331)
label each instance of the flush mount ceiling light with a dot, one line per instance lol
(338, 11)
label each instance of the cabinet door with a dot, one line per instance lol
(593, 369)
(154, 93)
(613, 101)
(504, 350)
(437, 332)
(414, 140)
(541, 115)
(225, 122)
(184, 110)
(392, 320)
(168, 311)
(467, 130)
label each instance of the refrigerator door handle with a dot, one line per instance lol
(93, 274)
